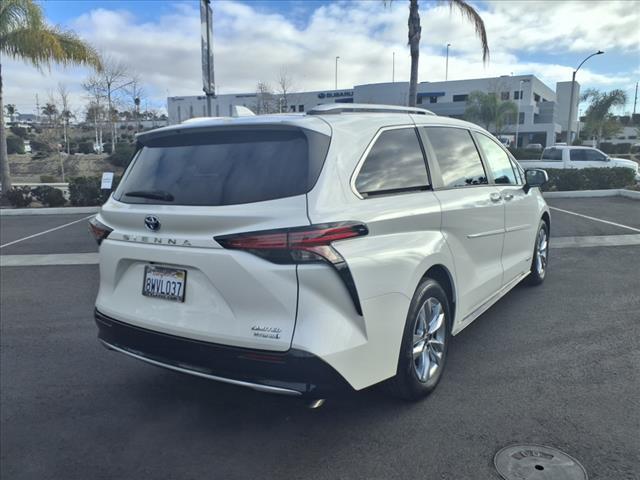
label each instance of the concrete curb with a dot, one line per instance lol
(47, 211)
(615, 192)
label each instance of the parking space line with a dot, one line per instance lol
(633, 229)
(595, 241)
(45, 232)
(37, 260)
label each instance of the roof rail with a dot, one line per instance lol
(335, 108)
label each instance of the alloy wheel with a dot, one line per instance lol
(429, 336)
(542, 252)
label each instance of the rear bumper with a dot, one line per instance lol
(293, 372)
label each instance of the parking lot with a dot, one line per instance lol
(556, 365)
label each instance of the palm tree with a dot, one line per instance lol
(415, 31)
(50, 111)
(11, 111)
(599, 121)
(487, 110)
(25, 35)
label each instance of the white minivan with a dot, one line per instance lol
(304, 254)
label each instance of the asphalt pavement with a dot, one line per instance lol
(555, 365)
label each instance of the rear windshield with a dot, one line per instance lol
(224, 167)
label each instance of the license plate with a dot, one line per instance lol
(163, 282)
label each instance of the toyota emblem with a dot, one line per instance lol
(152, 223)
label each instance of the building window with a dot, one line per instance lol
(217, 110)
(419, 100)
(179, 114)
(504, 96)
(521, 118)
(460, 98)
(292, 108)
(190, 111)
(301, 108)
(536, 97)
(204, 110)
(433, 99)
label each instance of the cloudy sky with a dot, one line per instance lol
(255, 40)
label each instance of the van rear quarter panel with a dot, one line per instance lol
(404, 241)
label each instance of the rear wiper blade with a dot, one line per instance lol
(152, 194)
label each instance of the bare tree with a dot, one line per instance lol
(135, 93)
(94, 89)
(284, 88)
(265, 99)
(65, 114)
(114, 77)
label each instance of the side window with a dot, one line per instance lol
(595, 156)
(552, 154)
(578, 155)
(498, 161)
(394, 163)
(519, 172)
(457, 156)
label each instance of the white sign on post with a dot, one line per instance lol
(107, 181)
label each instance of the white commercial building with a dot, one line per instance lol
(543, 112)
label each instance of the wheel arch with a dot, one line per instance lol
(546, 218)
(443, 276)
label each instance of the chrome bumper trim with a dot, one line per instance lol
(240, 383)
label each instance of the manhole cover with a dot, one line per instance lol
(537, 462)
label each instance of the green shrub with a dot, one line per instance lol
(607, 147)
(525, 154)
(85, 191)
(85, 147)
(49, 196)
(122, 156)
(15, 145)
(106, 148)
(623, 148)
(19, 131)
(48, 179)
(19, 197)
(40, 146)
(588, 179)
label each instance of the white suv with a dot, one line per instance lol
(300, 254)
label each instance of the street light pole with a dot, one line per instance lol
(393, 69)
(337, 72)
(446, 72)
(573, 84)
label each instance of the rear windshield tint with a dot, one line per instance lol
(225, 167)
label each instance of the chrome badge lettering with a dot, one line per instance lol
(266, 332)
(156, 240)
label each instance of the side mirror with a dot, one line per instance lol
(534, 178)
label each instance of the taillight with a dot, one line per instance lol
(99, 230)
(302, 245)
(295, 245)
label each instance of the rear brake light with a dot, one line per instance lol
(302, 245)
(295, 245)
(99, 230)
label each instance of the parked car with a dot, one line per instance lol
(537, 147)
(303, 254)
(560, 156)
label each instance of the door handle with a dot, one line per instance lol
(508, 196)
(495, 197)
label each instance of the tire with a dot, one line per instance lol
(418, 376)
(540, 260)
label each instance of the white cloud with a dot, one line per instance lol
(251, 45)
